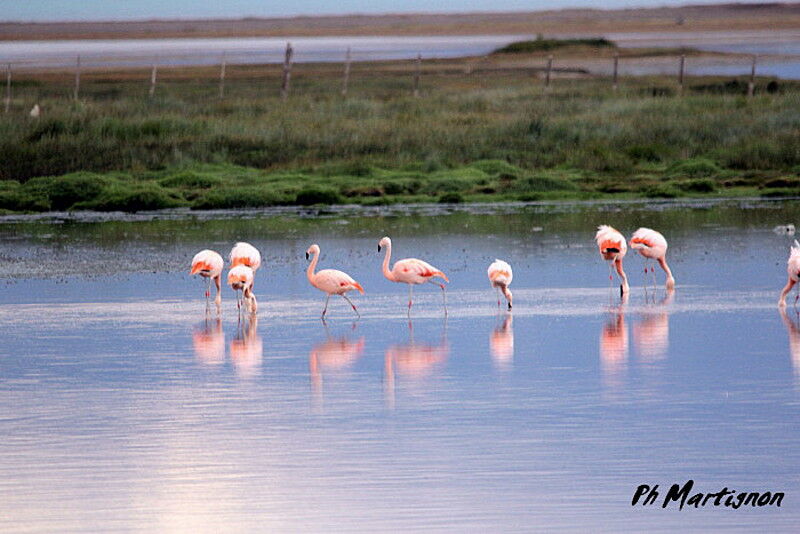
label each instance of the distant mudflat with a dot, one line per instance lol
(574, 21)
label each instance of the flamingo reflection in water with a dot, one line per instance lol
(247, 348)
(501, 343)
(614, 345)
(651, 334)
(333, 354)
(792, 323)
(413, 359)
(209, 342)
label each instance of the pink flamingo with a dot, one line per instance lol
(613, 247)
(208, 264)
(411, 271)
(500, 276)
(247, 255)
(331, 281)
(793, 269)
(652, 246)
(240, 278)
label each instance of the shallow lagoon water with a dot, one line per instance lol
(124, 408)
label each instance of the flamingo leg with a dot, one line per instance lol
(325, 310)
(410, 297)
(351, 305)
(498, 296)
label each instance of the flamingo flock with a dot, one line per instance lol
(245, 260)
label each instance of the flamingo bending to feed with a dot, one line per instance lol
(613, 247)
(500, 276)
(411, 271)
(331, 281)
(208, 264)
(240, 278)
(793, 269)
(652, 246)
(247, 255)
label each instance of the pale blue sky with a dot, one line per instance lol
(53, 10)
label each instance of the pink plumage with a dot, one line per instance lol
(653, 246)
(411, 271)
(245, 254)
(330, 281)
(500, 276)
(613, 247)
(793, 272)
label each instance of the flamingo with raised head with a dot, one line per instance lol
(330, 281)
(500, 276)
(240, 278)
(411, 271)
(652, 246)
(613, 247)
(247, 255)
(209, 264)
(793, 270)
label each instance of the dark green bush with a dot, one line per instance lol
(546, 45)
(694, 168)
(318, 195)
(65, 191)
(190, 180)
(700, 185)
(131, 199)
(543, 183)
(451, 198)
(239, 197)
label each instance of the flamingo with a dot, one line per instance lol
(793, 269)
(247, 255)
(208, 264)
(613, 247)
(330, 281)
(240, 278)
(652, 246)
(411, 271)
(500, 276)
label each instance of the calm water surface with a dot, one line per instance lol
(123, 408)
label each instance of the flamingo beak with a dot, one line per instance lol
(306, 255)
(379, 248)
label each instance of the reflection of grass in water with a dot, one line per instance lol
(483, 136)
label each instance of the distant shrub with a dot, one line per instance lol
(647, 152)
(543, 183)
(318, 195)
(529, 197)
(239, 197)
(65, 191)
(694, 168)
(661, 191)
(545, 45)
(497, 167)
(131, 199)
(190, 180)
(700, 185)
(782, 182)
(19, 200)
(451, 198)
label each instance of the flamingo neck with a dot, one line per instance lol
(386, 272)
(312, 267)
(663, 262)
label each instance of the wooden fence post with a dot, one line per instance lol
(287, 71)
(8, 87)
(153, 75)
(77, 78)
(547, 73)
(222, 78)
(615, 84)
(346, 80)
(417, 73)
(751, 85)
(680, 74)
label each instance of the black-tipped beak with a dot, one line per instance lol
(379, 248)
(306, 255)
